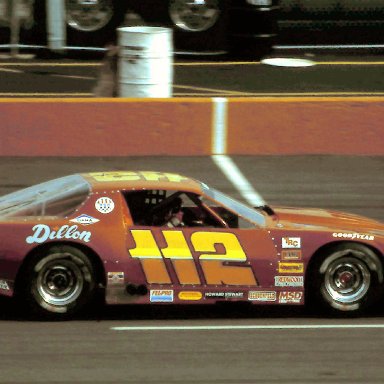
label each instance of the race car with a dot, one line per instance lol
(148, 237)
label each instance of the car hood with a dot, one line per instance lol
(333, 220)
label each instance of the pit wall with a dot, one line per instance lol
(191, 127)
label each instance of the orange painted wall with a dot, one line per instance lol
(137, 127)
(350, 126)
(104, 127)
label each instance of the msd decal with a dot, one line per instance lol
(291, 242)
(290, 297)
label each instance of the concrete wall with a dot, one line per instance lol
(251, 126)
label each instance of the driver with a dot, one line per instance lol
(174, 216)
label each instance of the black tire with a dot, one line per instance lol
(57, 282)
(347, 279)
(93, 24)
(196, 27)
(201, 28)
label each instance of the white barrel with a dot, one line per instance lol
(145, 62)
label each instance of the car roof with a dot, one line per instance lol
(134, 180)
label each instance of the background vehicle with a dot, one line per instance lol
(199, 25)
(331, 21)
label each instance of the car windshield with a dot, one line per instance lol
(235, 206)
(59, 197)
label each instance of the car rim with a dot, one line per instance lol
(60, 280)
(346, 280)
(89, 15)
(194, 15)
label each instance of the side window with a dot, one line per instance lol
(232, 220)
(162, 208)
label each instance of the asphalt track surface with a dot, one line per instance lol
(332, 75)
(216, 344)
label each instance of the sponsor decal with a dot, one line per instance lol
(161, 295)
(190, 253)
(84, 220)
(42, 233)
(289, 281)
(116, 278)
(224, 295)
(290, 242)
(291, 267)
(134, 176)
(262, 296)
(4, 285)
(104, 205)
(290, 297)
(190, 295)
(291, 255)
(353, 236)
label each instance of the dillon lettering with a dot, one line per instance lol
(43, 233)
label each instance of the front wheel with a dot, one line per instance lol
(58, 282)
(348, 278)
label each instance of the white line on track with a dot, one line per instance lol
(10, 70)
(247, 327)
(239, 181)
(219, 149)
(219, 125)
(74, 77)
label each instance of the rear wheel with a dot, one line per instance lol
(348, 278)
(58, 282)
(93, 22)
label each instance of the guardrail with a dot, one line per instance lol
(191, 127)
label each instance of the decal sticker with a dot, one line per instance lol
(116, 278)
(104, 205)
(4, 285)
(84, 220)
(135, 176)
(190, 295)
(290, 242)
(289, 281)
(213, 249)
(43, 233)
(291, 255)
(224, 295)
(161, 295)
(291, 267)
(354, 236)
(262, 296)
(290, 297)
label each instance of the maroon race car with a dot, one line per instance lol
(151, 237)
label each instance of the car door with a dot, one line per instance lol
(211, 248)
